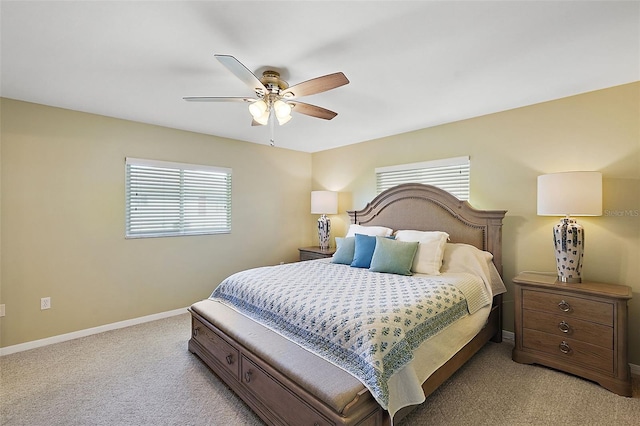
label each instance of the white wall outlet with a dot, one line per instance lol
(45, 303)
(2, 310)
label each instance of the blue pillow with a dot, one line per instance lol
(393, 257)
(363, 251)
(344, 252)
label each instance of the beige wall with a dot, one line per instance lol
(62, 222)
(594, 131)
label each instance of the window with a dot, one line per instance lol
(450, 174)
(170, 199)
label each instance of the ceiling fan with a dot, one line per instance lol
(274, 98)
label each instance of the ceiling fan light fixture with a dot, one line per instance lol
(283, 109)
(263, 118)
(258, 108)
(283, 120)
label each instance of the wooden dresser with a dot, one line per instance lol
(577, 328)
(310, 253)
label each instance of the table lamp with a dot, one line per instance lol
(569, 194)
(324, 203)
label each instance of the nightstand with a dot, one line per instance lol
(576, 328)
(310, 253)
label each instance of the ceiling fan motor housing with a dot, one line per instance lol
(272, 81)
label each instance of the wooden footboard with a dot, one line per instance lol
(270, 394)
(280, 401)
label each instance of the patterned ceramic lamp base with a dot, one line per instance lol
(568, 238)
(324, 229)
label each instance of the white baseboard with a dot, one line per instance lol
(508, 335)
(89, 331)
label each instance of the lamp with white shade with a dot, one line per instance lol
(324, 203)
(261, 111)
(569, 194)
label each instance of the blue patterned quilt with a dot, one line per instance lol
(367, 323)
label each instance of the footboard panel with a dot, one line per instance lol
(269, 393)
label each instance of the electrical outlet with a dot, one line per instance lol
(45, 303)
(2, 310)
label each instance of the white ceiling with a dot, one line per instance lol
(411, 64)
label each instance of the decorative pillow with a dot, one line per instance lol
(368, 230)
(344, 251)
(363, 252)
(393, 257)
(428, 258)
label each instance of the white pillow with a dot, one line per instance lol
(464, 258)
(467, 258)
(374, 231)
(428, 259)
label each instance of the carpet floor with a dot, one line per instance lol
(144, 375)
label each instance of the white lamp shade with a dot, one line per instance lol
(257, 108)
(283, 120)
(283, 109)
(263, 119)
(324, 202)
(570, 194)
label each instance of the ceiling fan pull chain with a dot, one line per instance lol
(272, 126)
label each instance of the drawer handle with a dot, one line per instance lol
(247, 376)
(564, 327)
(564, 306)
(229, 359)
(195, 331)
(564, 347)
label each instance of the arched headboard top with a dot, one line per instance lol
(428, 208)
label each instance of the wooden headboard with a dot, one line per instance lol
(427, 208)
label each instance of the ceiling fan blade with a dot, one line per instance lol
(316, 85)
(242, 72)
(218, 99)
(312, 110)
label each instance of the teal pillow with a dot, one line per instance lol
(344, 251)
(363, 251)
(393, 257)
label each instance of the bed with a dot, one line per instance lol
(296, 357)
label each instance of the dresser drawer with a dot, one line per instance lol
(308, 255)
(274, 394)
(569, 350)
(569, 327)
(569, 306)
(312, 253)
(223, 352)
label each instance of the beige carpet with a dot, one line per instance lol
(144, 375)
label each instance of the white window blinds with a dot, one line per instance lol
(450, 174)
(171, 199)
